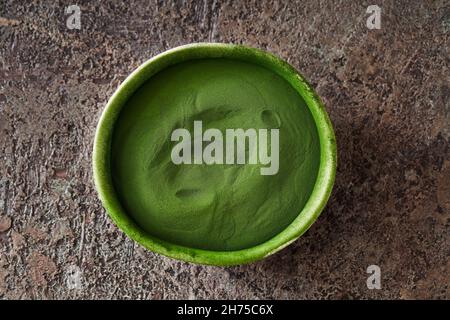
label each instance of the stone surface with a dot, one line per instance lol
(387, 92)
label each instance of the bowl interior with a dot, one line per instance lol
(214, 154)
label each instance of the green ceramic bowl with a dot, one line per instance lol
(218, 244)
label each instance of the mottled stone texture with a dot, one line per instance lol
(387, 93)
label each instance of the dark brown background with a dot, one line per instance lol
(387, 93)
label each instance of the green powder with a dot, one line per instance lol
(219, 206)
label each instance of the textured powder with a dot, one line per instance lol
(215, 207)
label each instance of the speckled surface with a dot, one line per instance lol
(387, 92)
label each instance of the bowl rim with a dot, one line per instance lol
(308, 214)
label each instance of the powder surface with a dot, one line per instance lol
(215, 207)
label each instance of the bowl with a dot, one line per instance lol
(213, 153)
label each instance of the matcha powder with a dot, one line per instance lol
(213, 206)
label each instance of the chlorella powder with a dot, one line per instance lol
(163, 176)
